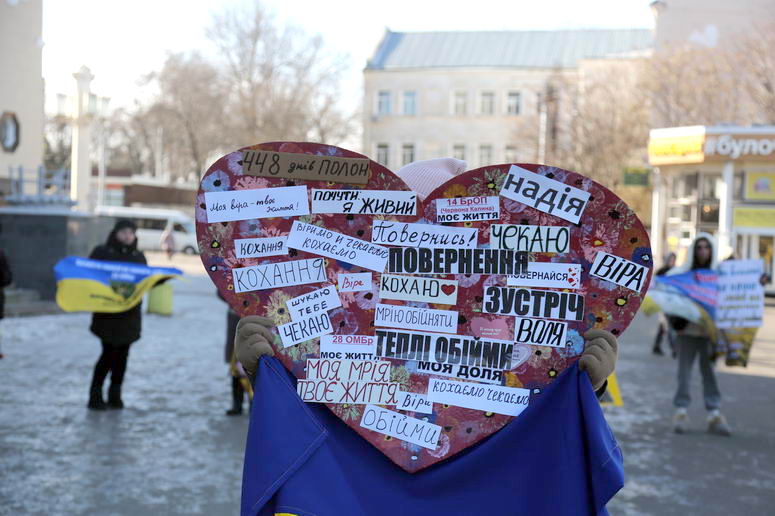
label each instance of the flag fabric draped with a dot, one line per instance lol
(693, 295)
(85, 285)
(557, 457)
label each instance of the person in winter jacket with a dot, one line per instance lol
(693, 341)
(116, 331)
(237, 388)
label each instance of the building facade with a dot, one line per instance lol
(720, 180)
(477, 96)
(21, 90)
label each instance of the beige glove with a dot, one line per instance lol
(599, 357)
(252, 340)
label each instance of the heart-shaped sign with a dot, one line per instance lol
(494, 292)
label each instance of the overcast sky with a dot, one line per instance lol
(132, 37)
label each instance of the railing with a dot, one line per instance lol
(50, 187)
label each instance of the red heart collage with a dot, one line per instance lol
(607, 224)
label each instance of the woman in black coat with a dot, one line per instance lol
(117, 331)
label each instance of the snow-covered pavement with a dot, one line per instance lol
(173, 451)
(170, 451)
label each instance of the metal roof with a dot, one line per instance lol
(516, 49)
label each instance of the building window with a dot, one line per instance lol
(485, 155)
(685, 185)
(114, 197)
(383, 153)
(739, 186)
(459, 151)
(512, 103)
(383, 103)
(410, 103)
(461, 103)
(407, 153)
(710, 186)
(709, 213)
(680, 213)
(487, 103)
(157, 224)
(510, 154)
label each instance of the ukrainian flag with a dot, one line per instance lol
(693, 296)
(85, 285)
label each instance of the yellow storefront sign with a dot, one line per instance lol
(699, 144)
(677, 150)
(760, 186)
(754, 217)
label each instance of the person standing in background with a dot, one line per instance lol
(168, 241)
(235, 370)
(692, 341)
(237, 391)
(6, 278)
(116, 331)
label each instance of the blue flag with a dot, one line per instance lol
(700, 285)
(557, 457)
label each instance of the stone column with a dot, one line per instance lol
(657, 201)
(725, 244)
(80, 161)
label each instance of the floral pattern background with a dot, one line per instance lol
(607, 225)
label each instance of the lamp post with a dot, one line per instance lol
(80, 163)
(86, 107)
(101, 165)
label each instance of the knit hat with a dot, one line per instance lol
(123, 224)
(426, 175)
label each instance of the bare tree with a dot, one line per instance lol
(131, 141)
(266, 83)
(688, 85)
(281, 83)
(594, 121)
(755, 56)
(609, 127)
(190, 110)
(57, 143)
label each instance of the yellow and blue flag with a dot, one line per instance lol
(693, 295)
(85, 285)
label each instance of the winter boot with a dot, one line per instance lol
(717, 424)
(236, 410)
(95, 399)
(114, 397)
(237, 395)
(680, 421)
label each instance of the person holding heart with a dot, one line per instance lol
(298, 454)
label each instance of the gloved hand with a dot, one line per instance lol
(599, 357)
(251, 341)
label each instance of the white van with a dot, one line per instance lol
(151, 223)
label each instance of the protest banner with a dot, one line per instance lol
(422, 235)
(409, 288)
(467, 209)
(368, 202)
(740, 294)
(486, 282)
(321, 300)
(256, 204)
(324, 242)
